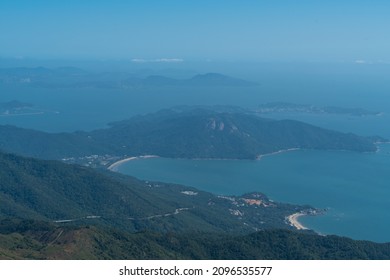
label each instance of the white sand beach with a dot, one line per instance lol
(293, 220)
(114, 167)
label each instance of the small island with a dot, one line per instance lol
(17, 108)
(285, 107)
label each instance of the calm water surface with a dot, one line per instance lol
(353, 187)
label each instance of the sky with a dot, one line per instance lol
(206, 30)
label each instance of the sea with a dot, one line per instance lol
(354, 188)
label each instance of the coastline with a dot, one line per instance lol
(114, 167)
(277, 152)
(293, 221)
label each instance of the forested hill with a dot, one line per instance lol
(204, 133)
(191, 133)
(20, 239)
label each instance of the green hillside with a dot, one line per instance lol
(54, 191)
(208, 134)
(21, 239)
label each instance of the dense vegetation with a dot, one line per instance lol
(50, 190)
(207, 134)
(191, 133)
(48, 145)
(21, 239)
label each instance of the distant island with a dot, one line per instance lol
(18, 108)
(72, 77)
(15, 107)
(284, 107)
(200, 80)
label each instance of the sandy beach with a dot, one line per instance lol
(293, 220)
(115, 165)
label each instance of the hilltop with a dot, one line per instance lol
(202, 133)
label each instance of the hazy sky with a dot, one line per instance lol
(244, 30)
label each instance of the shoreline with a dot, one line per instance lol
(277, 152)
(114, 167)
(293, 221)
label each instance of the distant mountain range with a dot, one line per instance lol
(71, 77)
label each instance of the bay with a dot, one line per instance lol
(353, 187)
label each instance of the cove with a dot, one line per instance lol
(354, 187)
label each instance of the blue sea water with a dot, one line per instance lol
(353, 187)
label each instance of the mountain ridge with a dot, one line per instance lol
(192, 133)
